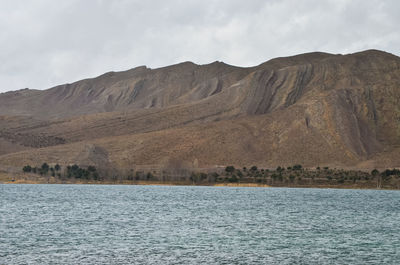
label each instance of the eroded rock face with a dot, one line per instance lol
(311, 109)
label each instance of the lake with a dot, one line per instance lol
(110, 224)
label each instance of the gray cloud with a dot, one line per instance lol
(46, 43)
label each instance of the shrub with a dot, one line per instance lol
(149, 176)
(96, 176)
(375, 172)
(233, 178)
(27, 168)
(230, 169)
(44, 169)
(297, 167)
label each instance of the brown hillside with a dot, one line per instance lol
(313, 109)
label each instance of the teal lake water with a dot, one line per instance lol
(99, 224)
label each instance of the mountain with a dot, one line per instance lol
(313, 109)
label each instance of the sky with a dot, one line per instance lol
(44, 43)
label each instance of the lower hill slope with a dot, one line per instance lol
(302, 134)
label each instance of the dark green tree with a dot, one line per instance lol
(27, 168)
(45, 168)
(297, 167)
(233, 178)
(149, 176)
(230, 169)
(375, 172)
(95, 176)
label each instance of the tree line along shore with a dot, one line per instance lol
(291, 176)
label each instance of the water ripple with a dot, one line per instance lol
(82, 224)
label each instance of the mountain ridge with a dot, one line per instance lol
(315, 108)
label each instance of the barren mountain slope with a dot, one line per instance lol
(260, 140)
(312, 109)
(137, 88)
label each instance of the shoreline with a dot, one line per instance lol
(231, 185)
(139, 183)
(6, 178)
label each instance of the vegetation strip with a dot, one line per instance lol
(295, 176)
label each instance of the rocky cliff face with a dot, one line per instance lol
(313, 109)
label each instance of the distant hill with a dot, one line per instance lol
(311, 109)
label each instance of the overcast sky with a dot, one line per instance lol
(46, 42)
